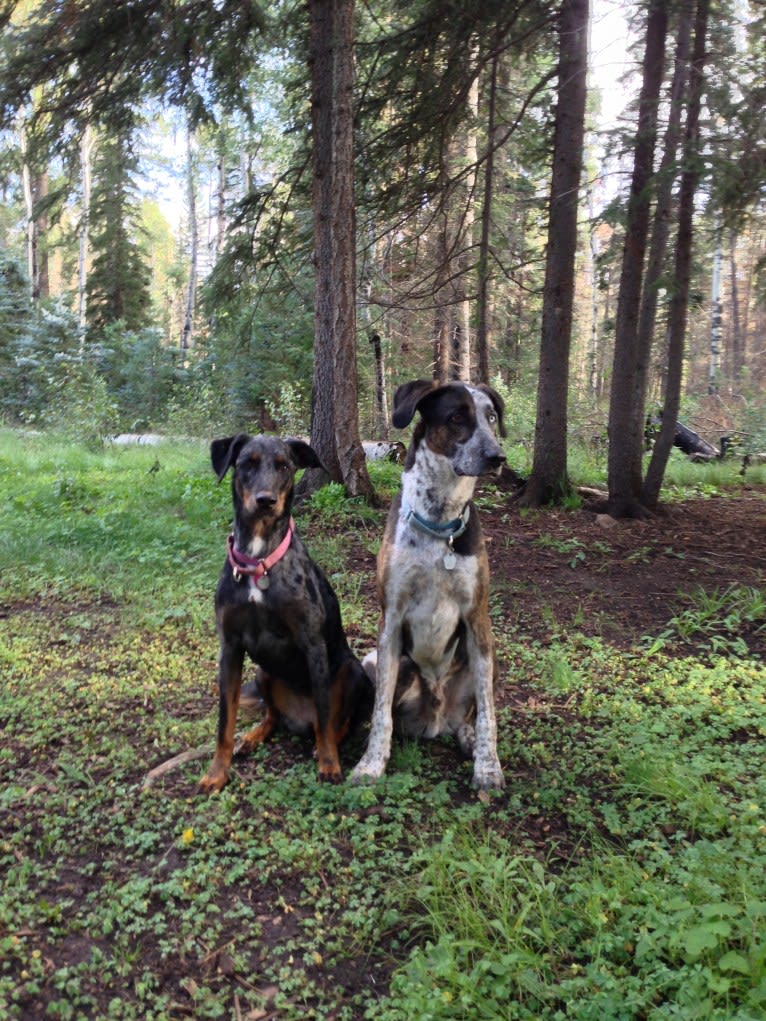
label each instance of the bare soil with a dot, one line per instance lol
(556, 570)
(623, 580)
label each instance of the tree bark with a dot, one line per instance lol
(470, 158)
(715, 314)
(548, 480)
(335, 423)
(663, 212)
(42, 288)
(220, 198)
(26, 179)
(625, 429)
(187, 333)
(35, 188)
(680, 299)
(381, 397)
(737, 361)
(483, 299)
(442, 360)
(86, 173)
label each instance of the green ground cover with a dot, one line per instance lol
(621, 875)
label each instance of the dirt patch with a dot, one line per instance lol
(622, 580)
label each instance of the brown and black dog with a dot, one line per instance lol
(274, 604)
(435, 668)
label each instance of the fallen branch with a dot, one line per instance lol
(178, 760)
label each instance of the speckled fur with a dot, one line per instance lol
(435, 667)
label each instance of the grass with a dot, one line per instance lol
(622, 875)
(719, 617)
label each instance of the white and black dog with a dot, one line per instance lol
(435, 668)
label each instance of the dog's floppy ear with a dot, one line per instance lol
(223, 453)
(498, 403)
(303, 455)
(407, 398)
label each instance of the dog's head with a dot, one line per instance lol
(459, 421)
(264, 472)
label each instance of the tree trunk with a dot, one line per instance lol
(471, 154)
(381, 398)
(625, 429)
(737, 362)
(187, 332)
(715, 315)
(679, 302)
(442, 310)
(220, 215)
(663, 213)
(26, 179)
(335, 423)
(548, 480)
(42, 287)
(86, 173)
(482, 323)
(35, 188)
(594, 341)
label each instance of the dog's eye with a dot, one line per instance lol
(457, 418)
(282, 466)
(492, 418)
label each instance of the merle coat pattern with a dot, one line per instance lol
(308, 676)
(435, 668)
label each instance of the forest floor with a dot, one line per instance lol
(554, 571)
(624, 580)
(140, 905)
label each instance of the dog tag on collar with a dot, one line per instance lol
(449, 559)
(263, 582)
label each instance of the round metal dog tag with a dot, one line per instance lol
(263, 582)
(449, 560)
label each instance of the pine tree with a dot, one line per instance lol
(118, 284)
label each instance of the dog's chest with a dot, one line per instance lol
(431, 600)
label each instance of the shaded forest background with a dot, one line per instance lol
(157, 211)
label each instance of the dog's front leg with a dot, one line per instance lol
(230, 665)
(372, 764)
(487, 771)
(328, 761)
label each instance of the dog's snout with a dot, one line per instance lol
(493, 459)
(265, 498)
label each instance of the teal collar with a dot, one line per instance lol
(447, 530)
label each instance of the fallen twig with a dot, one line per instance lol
(178, 760)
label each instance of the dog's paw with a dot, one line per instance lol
(367, 771)
(243, 747)
(330, 775)
(489, 777)
(214, 780)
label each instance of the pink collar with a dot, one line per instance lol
(256, 567)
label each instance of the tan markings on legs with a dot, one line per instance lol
(337, 728)
(218, 771)
(265, 728)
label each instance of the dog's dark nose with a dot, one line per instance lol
(494, 460)
(265, 499)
